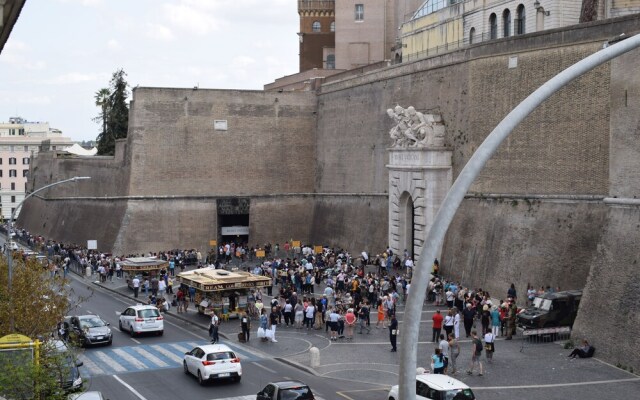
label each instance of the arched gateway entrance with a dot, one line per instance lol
(420, 176)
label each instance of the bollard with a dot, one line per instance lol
(314, 357)
(87, 272)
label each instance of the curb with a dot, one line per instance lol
(294, 364)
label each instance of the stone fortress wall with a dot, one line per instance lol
(314, 167)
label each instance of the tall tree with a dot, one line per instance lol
(102, 101)
(116, 112)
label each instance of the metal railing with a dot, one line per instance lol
(450, 46)
(533, 337)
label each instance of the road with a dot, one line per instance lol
(149, 367)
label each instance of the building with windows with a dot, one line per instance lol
(21, 140)
(317, 34)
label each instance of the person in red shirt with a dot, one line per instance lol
(437, 325)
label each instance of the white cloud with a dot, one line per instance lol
(114, 45)
(16, 54)
(158, 32)
(195, 20)
(12, 98)
(76, 77)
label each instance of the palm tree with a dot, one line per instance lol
(102, 101)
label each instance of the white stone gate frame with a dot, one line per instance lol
(420, 175)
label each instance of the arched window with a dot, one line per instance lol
(520, 20)
(472, 33)
(506, 21)
(493, 26)
(332, 27)
(316, 26)
(331, 61)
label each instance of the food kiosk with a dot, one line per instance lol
(225, 292)
(143, 267)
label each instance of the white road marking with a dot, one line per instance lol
(180, 348)
(125, 384)
(263, 367)
(150, 357)
(130, 359)
(247, 397)
(552, 385)
(113, 364)
(137, 341)
(167, 353)
(93, 367)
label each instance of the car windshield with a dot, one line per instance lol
(92, 322)
(223, 355)
(296, 393)
(458, 394)
(149, 313)
(542, 304)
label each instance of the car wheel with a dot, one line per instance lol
(200, 380)
(120, 325)
(184, 366)
(110, 342)
(131, 331)
(238, 378)
(160, 333)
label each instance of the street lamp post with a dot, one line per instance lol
(10, 241)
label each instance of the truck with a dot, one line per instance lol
(551, 310)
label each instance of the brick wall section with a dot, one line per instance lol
(268, 147)
(611, 300)
(494, 242)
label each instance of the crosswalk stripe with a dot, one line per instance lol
(181, 349)
(167, 353)
(91, 366)
(110, 362)
(128, 358)
(155, 360)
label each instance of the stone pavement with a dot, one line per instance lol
(367, 358)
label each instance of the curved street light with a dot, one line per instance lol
(10, 241)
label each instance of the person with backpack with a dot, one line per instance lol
(476, 350)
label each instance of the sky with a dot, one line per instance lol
(61, 52)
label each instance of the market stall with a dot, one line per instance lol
(225, 292)
(142, 267)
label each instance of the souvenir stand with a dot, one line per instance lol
(225, 292)
(142, 267)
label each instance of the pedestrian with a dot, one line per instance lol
(213, 327)
(437, 325)
(584, 351)
(456, 322)
(511, 292)
(334, 317)
(445, 351)
(162, 288)
(310, 313)
(449, 321)
(245, 324)
(437, 362)
(264, 322)
(495, 321)
(273, 318)
(350, 323)
(380, 316)
(469, 315)
(299, 314)
(136, 286)
(454, 352)
(485, 319)
(489, 345)
(363, 316)
(512, 311)
(476, 352)
(180, 300)
(393, 333)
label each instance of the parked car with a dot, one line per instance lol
(437, 387)
(140, 319)
(551, 310)
(67, 368)
(89, 330)
(212, 361)
(286, 390)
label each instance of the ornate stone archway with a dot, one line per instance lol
(420, 174)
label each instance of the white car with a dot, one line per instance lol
(140, 319)
(437, 387)
(212, 361)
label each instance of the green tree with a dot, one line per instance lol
(115, 117)
(102, 101)
(38, 304)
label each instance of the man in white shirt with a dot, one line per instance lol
(444, 350)
(213, 328)
(136, 286)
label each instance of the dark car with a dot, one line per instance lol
(551, 310)
(64, 368)
(89, 330)
(286, 390)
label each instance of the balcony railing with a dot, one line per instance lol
(305, 5)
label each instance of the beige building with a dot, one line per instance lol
(19, 142)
